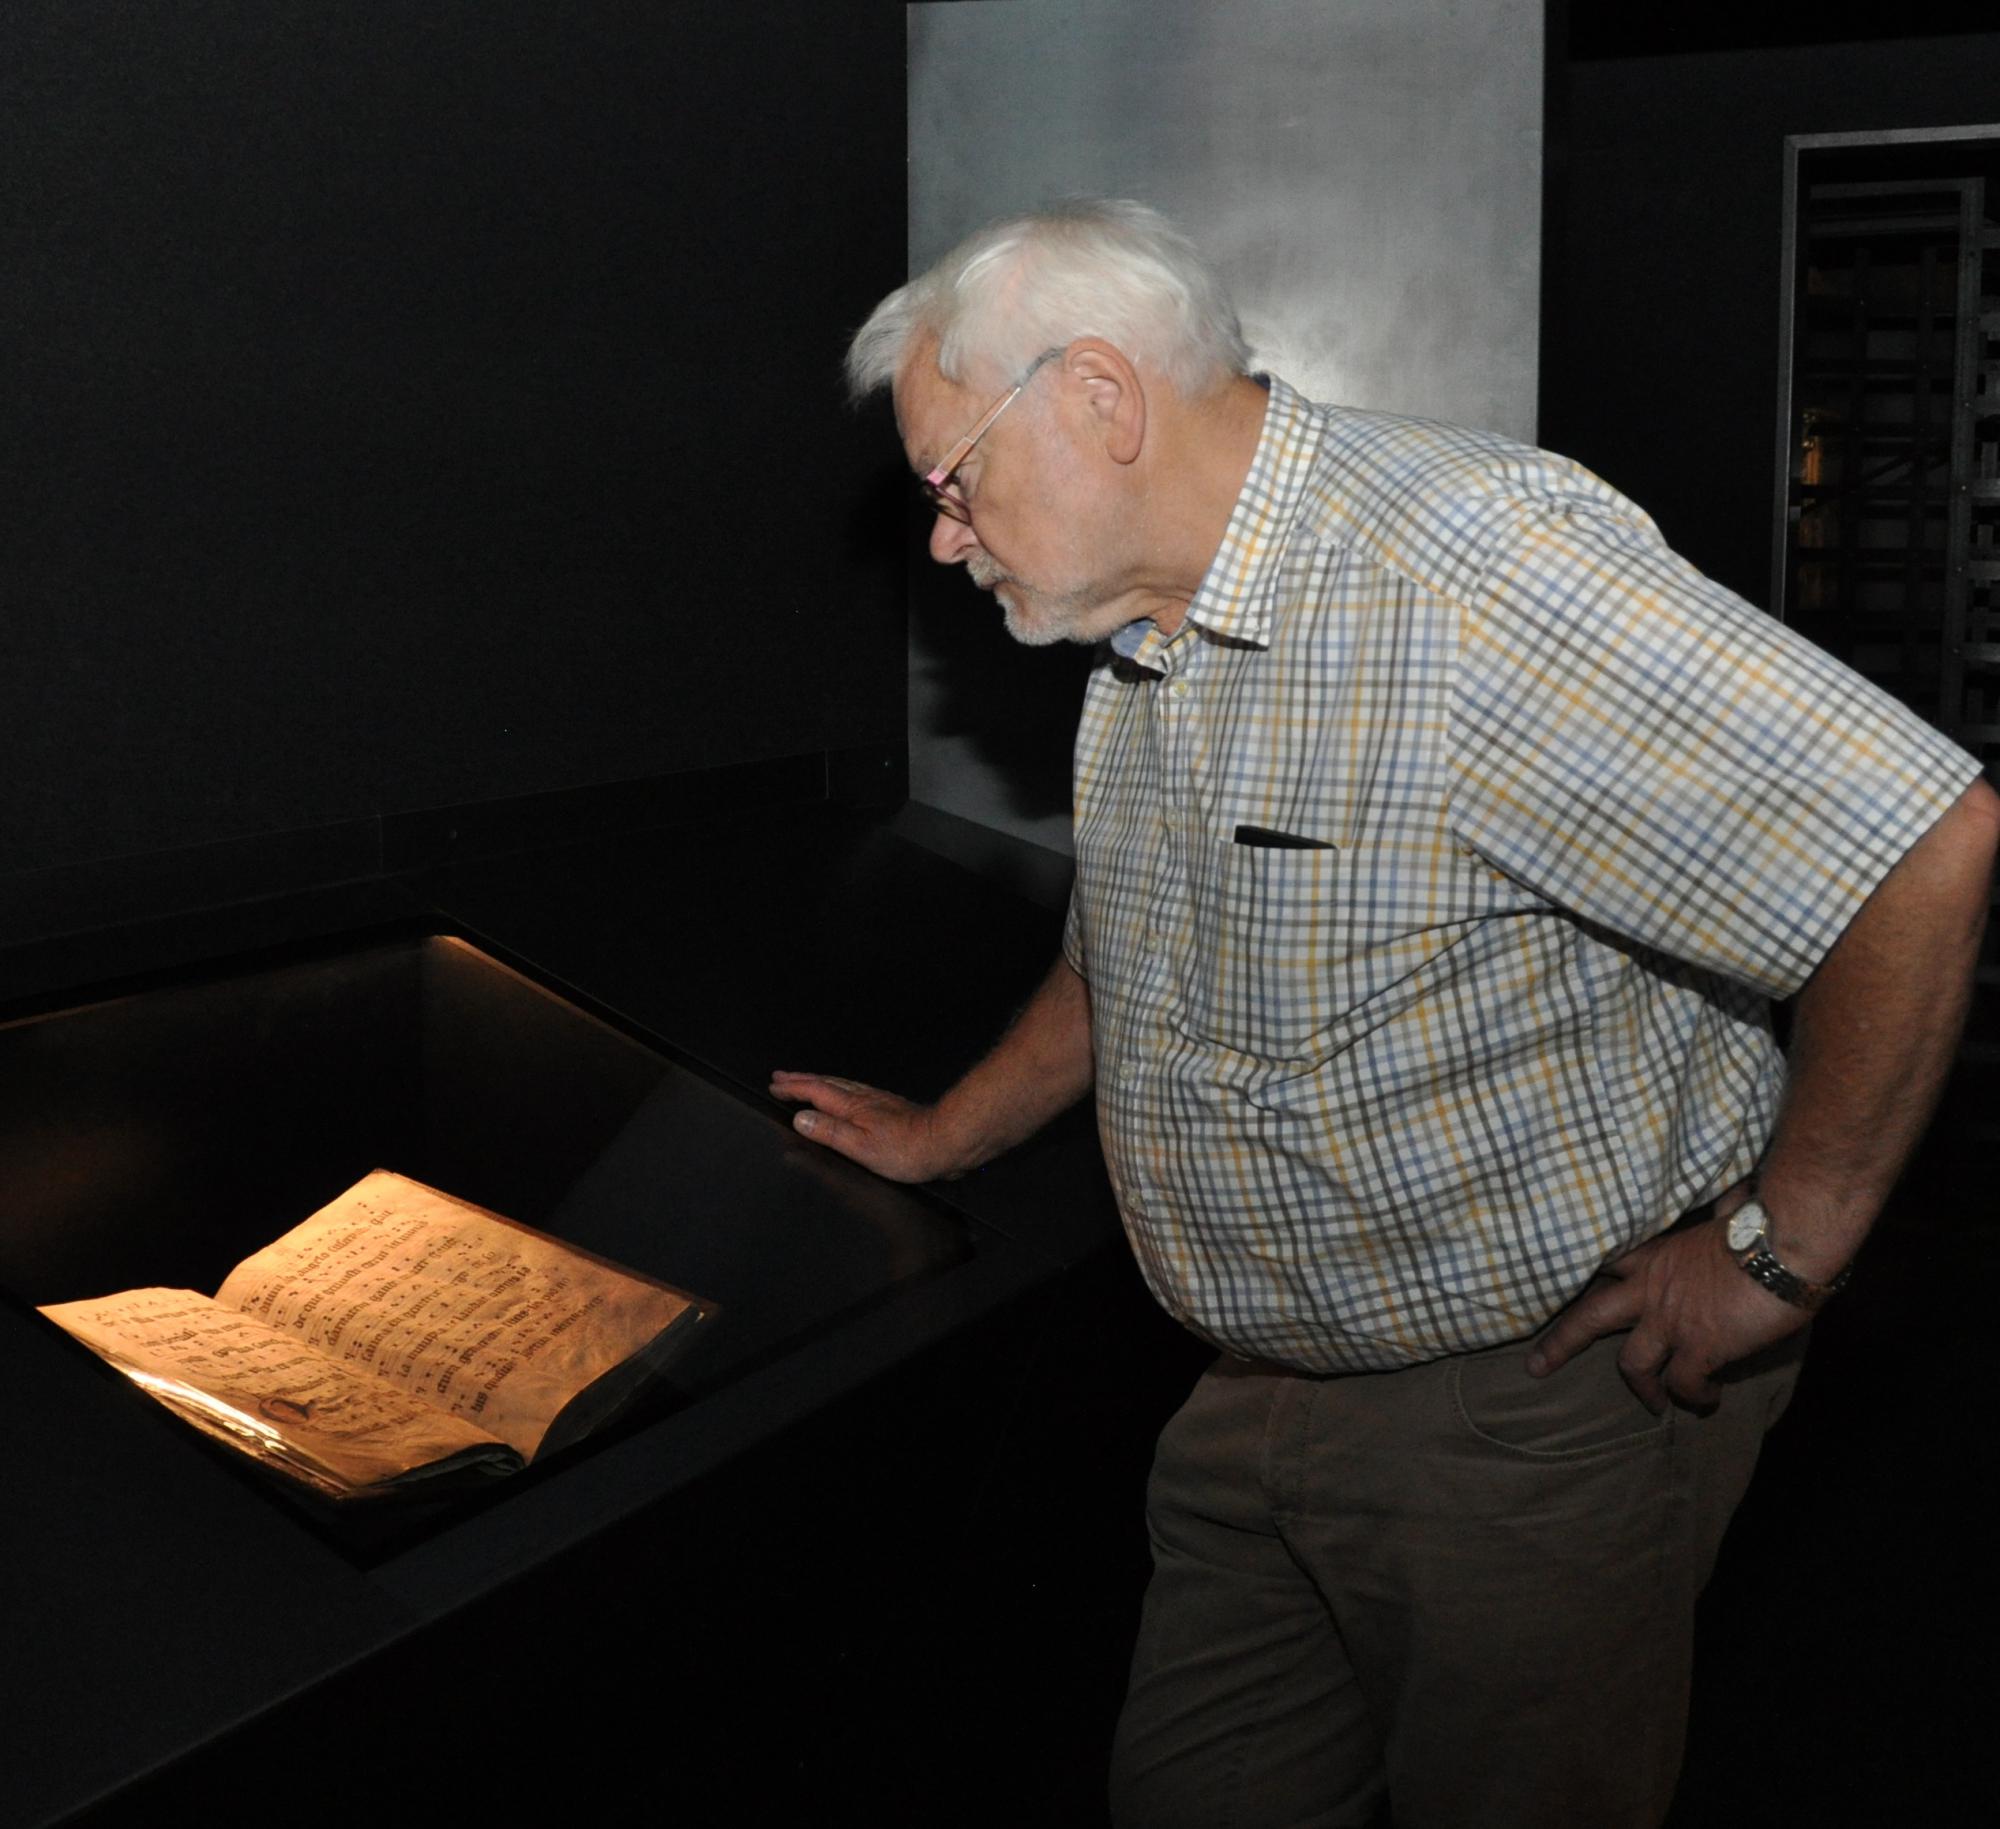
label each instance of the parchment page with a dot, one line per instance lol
(485, 1319)
(264, 1391)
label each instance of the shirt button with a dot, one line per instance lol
(1179, 688)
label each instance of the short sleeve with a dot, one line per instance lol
(1643, 748)
(1072, 940)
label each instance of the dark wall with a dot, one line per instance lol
(429, 404)
(1662, 283)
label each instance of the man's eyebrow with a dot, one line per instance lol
(917, 459)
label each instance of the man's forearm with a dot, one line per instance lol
(1873, 1038)
(1040, 1067)
(1876, 1029)
(1037, 1070)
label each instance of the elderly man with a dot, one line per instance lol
(1441, 841)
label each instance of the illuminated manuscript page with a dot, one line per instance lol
(263, 1390)
(484, 1319)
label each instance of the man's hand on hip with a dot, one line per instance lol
(1691, 1310)
(1873, 1036)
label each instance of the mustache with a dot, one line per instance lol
(982, 570)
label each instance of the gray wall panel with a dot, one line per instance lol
(1367, 174)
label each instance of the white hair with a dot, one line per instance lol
(1104, 268)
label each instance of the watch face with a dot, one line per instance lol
(1744, 1225)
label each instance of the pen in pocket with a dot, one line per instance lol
(1279, 841)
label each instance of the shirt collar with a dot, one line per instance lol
(1237, 597)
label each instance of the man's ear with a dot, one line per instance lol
(1113, 395)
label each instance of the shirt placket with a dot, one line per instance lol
(1173, 706)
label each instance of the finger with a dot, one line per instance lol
(1692, 1386)
(835, 1133)
(787, 1084)
(1603, 1310)
(823, 1079)
(840, 1097)
(1641, 1360)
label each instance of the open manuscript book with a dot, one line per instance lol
(397, 1336)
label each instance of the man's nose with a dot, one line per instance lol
(951, 539)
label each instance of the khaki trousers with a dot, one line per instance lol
(1454, 1592)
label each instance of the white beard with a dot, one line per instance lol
(1033, 625)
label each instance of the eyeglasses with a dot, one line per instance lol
(939, 494)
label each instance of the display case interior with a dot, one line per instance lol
(157, 1136)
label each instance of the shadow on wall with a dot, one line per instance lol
(1014, 707)
(1006, 712)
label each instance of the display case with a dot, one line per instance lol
(851, 1501)
(157, 1135)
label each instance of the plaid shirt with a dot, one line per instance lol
(1565, 815)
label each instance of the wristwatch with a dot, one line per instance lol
(1749, 1240)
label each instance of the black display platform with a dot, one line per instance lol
(920, 1411)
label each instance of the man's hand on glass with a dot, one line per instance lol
(894, 1136)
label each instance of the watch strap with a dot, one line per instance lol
(1753, 1252)
(1762, 1263)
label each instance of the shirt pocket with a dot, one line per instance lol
(1263, 979)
